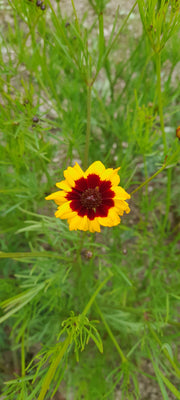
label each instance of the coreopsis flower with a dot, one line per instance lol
(91, 198)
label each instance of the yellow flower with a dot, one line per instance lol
(90, 199)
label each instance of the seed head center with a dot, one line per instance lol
(91, 198)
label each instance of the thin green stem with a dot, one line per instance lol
(61, 34)
(122, 26)
(168, 198)
(78, 259)
(88, 128)
(82, 236)
(159, 93)
(92, 299)
(114, 41)
(14, 356)
(53, 367)
(32, 254)
(146, 187)
(22, 357)
(76, 17)
(122, 356)
(165, 351)
(101, 39)
(148, 180)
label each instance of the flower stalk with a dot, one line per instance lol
(88, 127)
(160, 104)
(168, 198)
(122, 356)
(54, 365)
(92, 299)
(149, 179)
(159, 93)
(22, 357)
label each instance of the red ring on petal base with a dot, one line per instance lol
(91, 196)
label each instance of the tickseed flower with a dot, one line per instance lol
(91, 198)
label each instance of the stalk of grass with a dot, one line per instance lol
(83, 78)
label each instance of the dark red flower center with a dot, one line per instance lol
(91, 196)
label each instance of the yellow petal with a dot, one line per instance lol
(50, 196)
(74, 223)
(94, 225)
(68, 177)
(72, 174)
(78, 170)
(54, 195)
(112, 218)
(83, 224)
(60, 200)
(121, 205)
(111, 175)
(65, 211)
(59, 197)
(120, 193)
(96, 168)
(63, 185)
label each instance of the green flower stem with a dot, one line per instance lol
(76, 17)
(62, 35)
(149, 179)
(159, 93)
(164, 350)
(146, 188)
(114, 41)
(15, 358)
(32, 254)
(122, 356)
(22, 357)
(90, 83)
(168, 198)
(88, 128)
(92, 299)
(78, 259)
(52, 370)
(122, 26)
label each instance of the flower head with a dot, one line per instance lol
(91, 198)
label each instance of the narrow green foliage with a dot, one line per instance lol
(14, 304)
(89, 315)
(160, 20)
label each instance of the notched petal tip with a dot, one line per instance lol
(78, 168)
(96, 167)
(50, 197)
(128, 210)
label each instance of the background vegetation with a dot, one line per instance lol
(89, 316)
